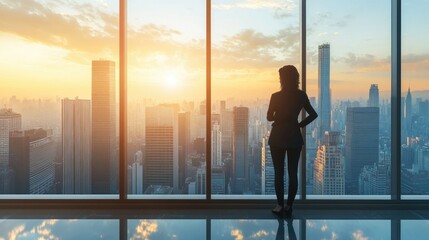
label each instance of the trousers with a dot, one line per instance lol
(278, 156)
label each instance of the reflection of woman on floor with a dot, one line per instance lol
(281, 230)
(285, 136)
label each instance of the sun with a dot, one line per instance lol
(171, 81)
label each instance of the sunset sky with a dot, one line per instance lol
(47, 46)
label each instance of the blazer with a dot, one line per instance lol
(284, 109)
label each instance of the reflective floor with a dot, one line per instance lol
(213, 224)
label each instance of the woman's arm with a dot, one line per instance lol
(311, 113)
(271, 112)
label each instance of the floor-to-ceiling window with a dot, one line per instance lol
(166, 99)
(59, 94)
(348, 82)
(251, 40)
(414, 107)
(59, 111)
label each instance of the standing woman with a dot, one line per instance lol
(285, 136)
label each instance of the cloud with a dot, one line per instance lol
(250, 48)
(145, 229)
(86, 29)
(358, 235)
(259, 234)
(15, 233)
(324, 228)
(257, 4)
(41, 231)
(365, 62)
(237, 234)
(311, 224)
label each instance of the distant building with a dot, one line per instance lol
(329, 167)
(240, 139)
(32, 156)
(362, 143)
(184, 142)
(216, 145)
(76, 146)
(267, 176)
(161, 161)
(408, 112)
(104, 167)
(218, 180)
(9, 121)
(375, 179)
(324, 91)
(137, 174)
(374, 96)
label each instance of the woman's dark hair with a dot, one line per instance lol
(289, 77)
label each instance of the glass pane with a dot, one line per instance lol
(254, 229)
(58, 116)
(166, 99)
(167, 229)
(348, 229)
(250, 42)
(59, 229)
(415, 101)
(348, 79)
(414, 229)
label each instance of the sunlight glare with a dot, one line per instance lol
(171, 81)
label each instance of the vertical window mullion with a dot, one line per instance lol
(396, 100)
(122, 100)
(303, 43)
(208, 101)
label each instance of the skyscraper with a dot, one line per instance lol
(32, 156)
(362, 143)
(408, 114)
(161, 161)
(374, 96)
(137, 174)
(324, 91)
(9, 121)
(328, 167)
(76, 145)
(104, 163)
(184, 146)
(267, 175)
(375, 179)
(216, 145)
(240, 145)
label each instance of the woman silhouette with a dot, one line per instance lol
(285, 136)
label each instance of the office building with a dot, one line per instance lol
(76, 146)
(324, 91)
(161, 161)
(328, 167)
(374, 96)
(216, 145)
(240, 145)
(104, 170)
(32, 156)
(362, 143)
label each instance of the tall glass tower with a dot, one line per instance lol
(104, 163)
(324, 91)
(374, 96)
